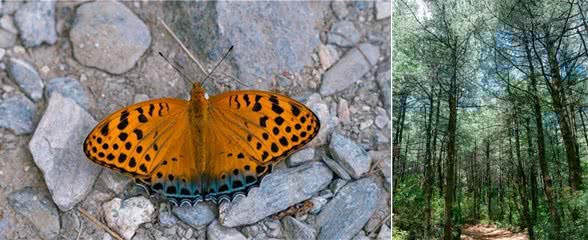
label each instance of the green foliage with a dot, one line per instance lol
(408, 205)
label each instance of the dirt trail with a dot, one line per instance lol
(490, 232)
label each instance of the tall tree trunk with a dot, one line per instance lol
(428, 171)
(440, 167)
(533, 187)
(523, 186)
(557, 92)
(488, 180)
(450, 171)
(547, 182)
(583, 125)
(397, 143)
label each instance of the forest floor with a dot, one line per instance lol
(490, 232)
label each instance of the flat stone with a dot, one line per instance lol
(264, 47)
(351, 156)
(328, 56)
(328, 123)
(318, 203)
(279, 190)
(56, 149)
(384, 79)
(125, 217)
(340, 9)
(349, 69)
(166, 218)
(38, 209)
(343, 34)
(108, 36)
(7, 23)
(114, 181)
(196, 216)
(382, 121)
(343, 111)
(383, 9)
(17, 113)
(36, 23)
(385, 233)
(336, 168)
(7, 39)
(215, 231)
(9, 7)
(343, 217)
(380, 215)
(300, 157)
(294, 229)
(337, 184)
(26, 77)
(71, 88)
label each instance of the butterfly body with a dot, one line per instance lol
(205, 148)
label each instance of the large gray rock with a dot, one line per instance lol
(108, 36)
(36, 23)
(37, 209)
(279, 190)
(336, 168)
(196, 216)
(349, 69)
(71, 88)
(349, 210)
(57, 150)
(17, 113)
(294, 229)
(125, 217)
(215, 231)
(26, 77)
(264, 47)
(343, 34)
(350, 155)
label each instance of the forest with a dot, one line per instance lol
(490, 112)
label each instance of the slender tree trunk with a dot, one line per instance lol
(450, 171)
(523, 186)
(488, 180)
(583, 125)
(397, 143)
(440, 168)
(428, 171)
(533, 190)
(557, 92)
(547, 182)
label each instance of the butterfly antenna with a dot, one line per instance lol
(182, 45)
(219, 62)
(176, 68)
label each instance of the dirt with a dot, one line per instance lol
(490, 232)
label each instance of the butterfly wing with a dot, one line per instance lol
(252, 130)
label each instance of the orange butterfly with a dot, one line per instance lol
(205, 148)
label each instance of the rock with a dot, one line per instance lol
(196, 216)
(382, 121)
(340, 9)
(140, 98)
(56, 149)
(343, 34)
(166, 218)
(17, 113)
(7, 23)
(216, 231)
(125, 217)
(361, 236)
(26, 77)
(108, 36)
(114, 181)
(385, 233)
(336, 168)
(294, 229)
(300, 157)
(349, 69)
(337, 184)
(279, 190)
(343, 217)
(383, 78)
(343, 111)
(263, 48)
(366, 124)
(328, 56)
(38, 209)
(273, 228)
(71, 88)
(9, 7)
(383, 159)
(7, 39)
(317, 204)
(351, 156)
(328, 123)
(36, 23)
(383, 9)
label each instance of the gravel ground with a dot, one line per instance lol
(67, 65)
